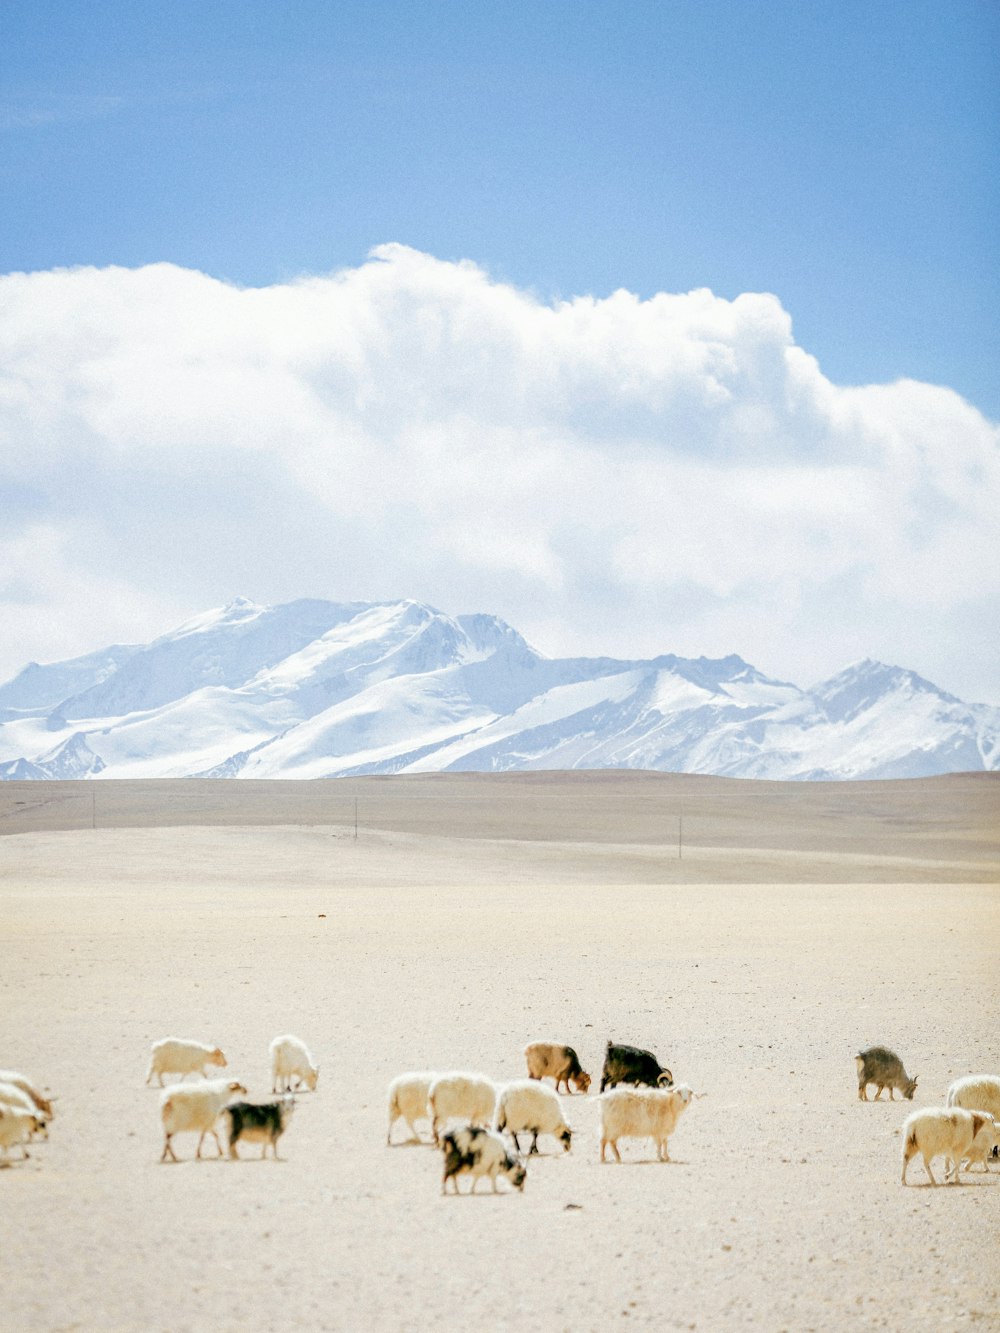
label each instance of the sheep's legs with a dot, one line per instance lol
(215, 1136)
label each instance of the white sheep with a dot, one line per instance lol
(17, 1126)
(468, 1097)
(976, 1092)
(528, 1107)
(408, 1098)
(948, 1131)
(983, 1145)
(291, 1060)
(195, 1109)
(16, 1099)
(178, 1055)
(25, 1084)
(639, 1113)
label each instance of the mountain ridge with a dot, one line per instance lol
(313, 689)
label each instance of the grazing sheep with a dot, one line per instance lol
(984, 1145)
(17, 1126)
(527, 1107)
(175, 1055)
(548, 1059)
(25, 1084)
(631, 1064)
(477, 1152)
(408, 1098)
(195, 1109)
(976, 1092)
(263, 1123)
(16, 1099)
(469, 1097)
(290, 1060)
(884, 1068)
(11, 1095)
(950, 1131)
(639, 1113)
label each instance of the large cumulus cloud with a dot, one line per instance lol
(615, 475)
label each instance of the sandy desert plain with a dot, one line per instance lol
(467, 915)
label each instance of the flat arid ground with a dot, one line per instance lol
(459, 918)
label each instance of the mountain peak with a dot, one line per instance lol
(861, 684)
(236, 612)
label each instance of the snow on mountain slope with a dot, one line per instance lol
(870, 720)
(40, 688)
(372, 730)
(377, 643)
(555, 718)
(224, 647)
(319, 689)
(639, 715)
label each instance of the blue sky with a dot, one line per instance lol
(399, 311)
(841, 155)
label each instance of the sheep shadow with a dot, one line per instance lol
(644, 1161)
(977, 1182)
(480, 1194)
(249, 1161)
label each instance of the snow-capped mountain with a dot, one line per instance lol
(315, 689)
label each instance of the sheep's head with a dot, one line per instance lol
(312, 1078)
(581, 1081)
(516, 1174)
(236, 1087)
(566, 1138)
(910, 1089)
(217, 1058)
(666, 1079)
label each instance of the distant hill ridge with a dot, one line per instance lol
(316, 689)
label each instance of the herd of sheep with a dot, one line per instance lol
(646, 1105)
(637, 1099)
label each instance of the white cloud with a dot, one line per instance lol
(618, 476)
